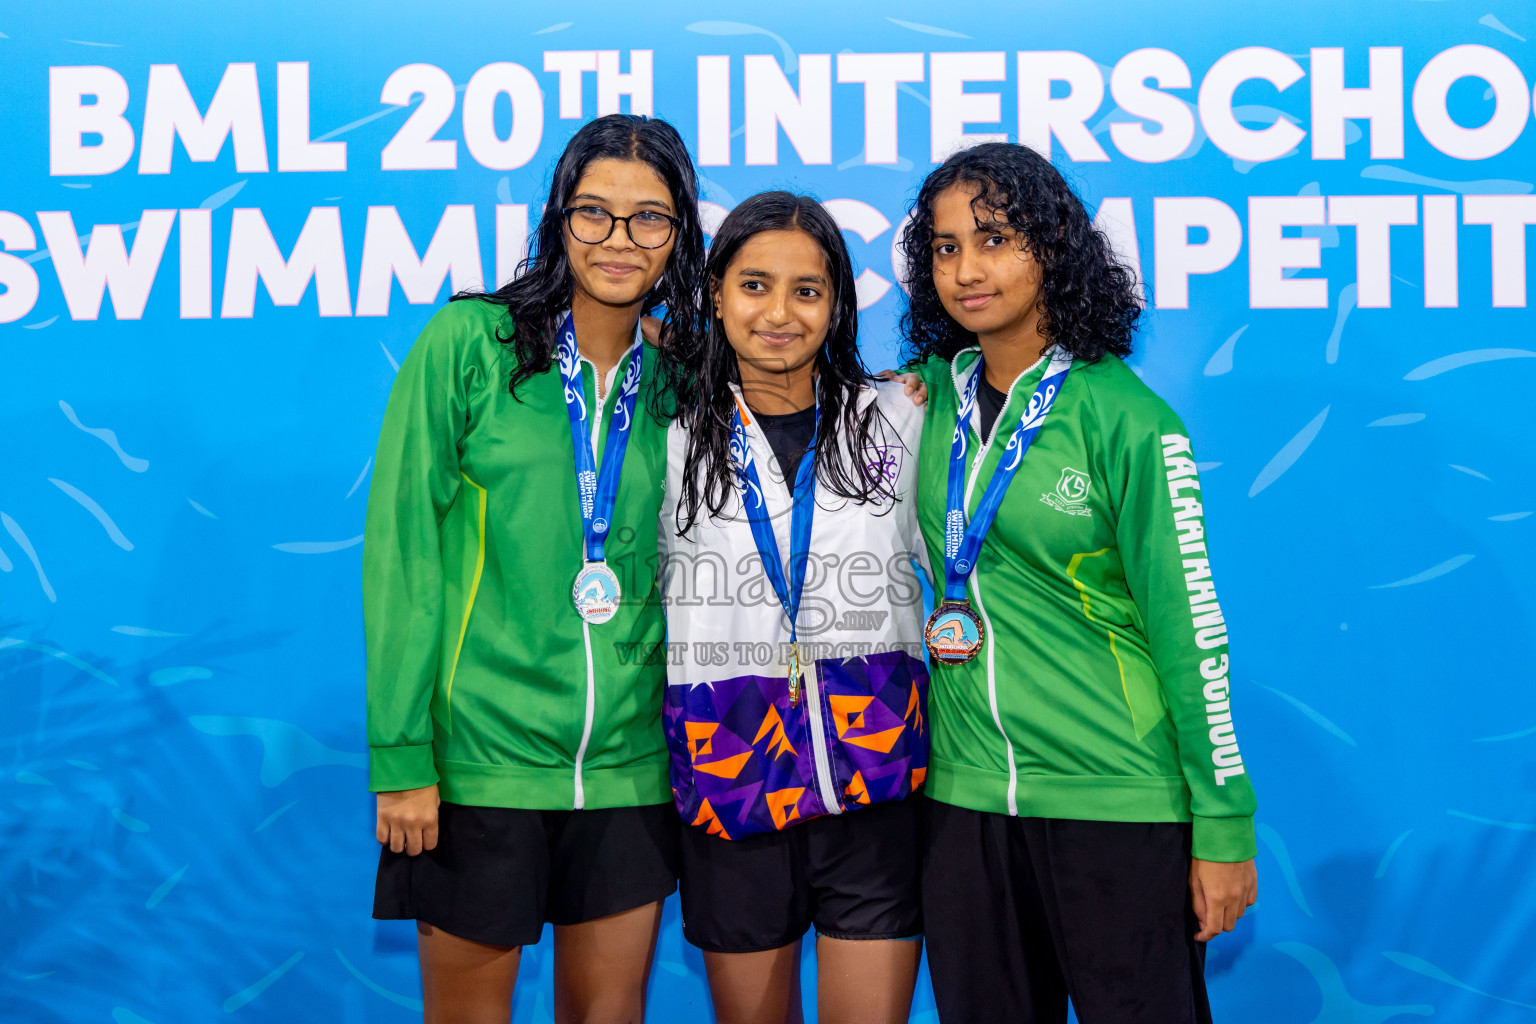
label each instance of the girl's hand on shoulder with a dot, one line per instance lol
(650, 330)
(407, 820)
(916, 390)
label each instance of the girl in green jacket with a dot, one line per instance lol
(1090, 816)
(514, 629)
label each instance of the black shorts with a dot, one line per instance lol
(498, 873)
(1022, 913)
(853, 875)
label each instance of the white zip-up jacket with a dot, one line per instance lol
(745, 758)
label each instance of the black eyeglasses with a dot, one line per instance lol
(649, 229)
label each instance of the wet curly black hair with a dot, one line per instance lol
(1088, 297)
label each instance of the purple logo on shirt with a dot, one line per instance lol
(885, 461)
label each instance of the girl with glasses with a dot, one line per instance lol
(796, 714)
(1090, 820)
(514, 628)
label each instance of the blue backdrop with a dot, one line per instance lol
(185, 829)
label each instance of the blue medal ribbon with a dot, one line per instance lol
(598, 491)
(804, 508)
(962, 539)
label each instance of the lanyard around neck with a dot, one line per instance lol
(803, 501)
(598, 491)
(962, 539)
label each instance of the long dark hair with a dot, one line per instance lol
(707, 404)
(1088, 297)
(542, 289)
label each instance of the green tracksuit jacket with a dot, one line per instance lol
(481, 675)
(1102, 692)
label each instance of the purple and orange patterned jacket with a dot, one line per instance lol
(746, 759)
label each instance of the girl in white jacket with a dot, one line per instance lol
(795, 708)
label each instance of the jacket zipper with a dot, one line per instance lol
(586, 627)
(975, 582)
(829, 797)
(817, 728)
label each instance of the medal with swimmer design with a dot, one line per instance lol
(954, 634)
(596, 593)
(794, 674)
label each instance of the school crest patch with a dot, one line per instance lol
(1071, 494)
